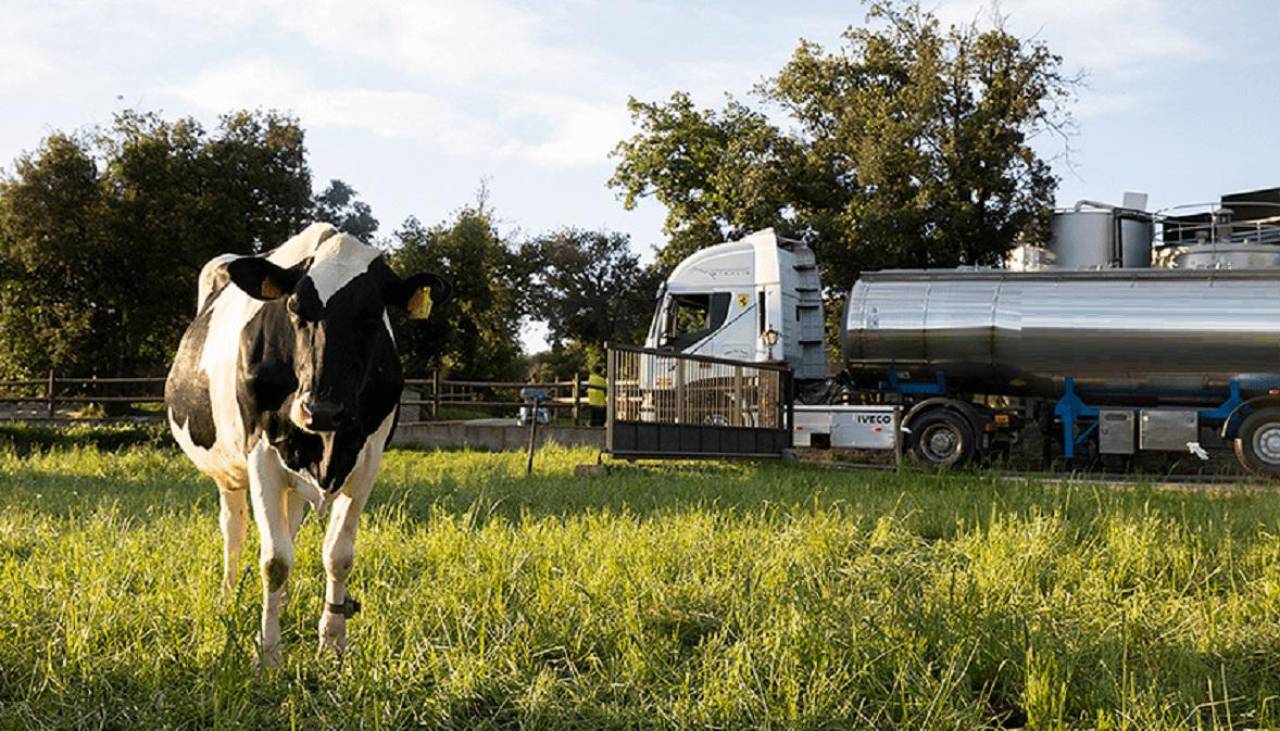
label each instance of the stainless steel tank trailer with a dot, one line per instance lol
(1128, 331)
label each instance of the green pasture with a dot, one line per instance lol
(656, 596)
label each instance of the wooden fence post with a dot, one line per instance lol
(435, 394)
(49, 393)
(577, 395)
(611, 394)
(680, 405)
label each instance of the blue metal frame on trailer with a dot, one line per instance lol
(937, 388)
(1071, 409)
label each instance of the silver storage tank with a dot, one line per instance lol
(1119, 333)
(1101, 238)
(1228, 256)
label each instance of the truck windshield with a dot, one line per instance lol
(692, 317)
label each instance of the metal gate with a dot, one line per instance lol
(664, 404)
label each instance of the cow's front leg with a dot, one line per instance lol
(297, 511)
(268, 488)
(339, 554)
(234, 519)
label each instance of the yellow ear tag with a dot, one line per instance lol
(420, 304)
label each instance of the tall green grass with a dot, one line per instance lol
(714, 596)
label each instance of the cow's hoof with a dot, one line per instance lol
(333, 633)
(269, 658)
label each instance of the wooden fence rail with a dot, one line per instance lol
(424, 399)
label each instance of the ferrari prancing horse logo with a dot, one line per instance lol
(743, 299)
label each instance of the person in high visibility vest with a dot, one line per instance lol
(596, 387)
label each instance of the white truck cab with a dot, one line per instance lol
(757, 299)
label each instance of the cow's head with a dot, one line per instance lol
(336, 305)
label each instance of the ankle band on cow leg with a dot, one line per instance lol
(348, 608)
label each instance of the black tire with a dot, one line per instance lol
(941, 439)
(1258, 442)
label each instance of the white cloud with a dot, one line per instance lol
(1105, 37)
(481, 77)
(573, 131)
(581, 131)
(23, 61)
(262, 82)
(23, 64)
(454, 42)
(1093, 104)
(515, 79)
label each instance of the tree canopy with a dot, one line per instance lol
(477, 333)
(589, 286)
(337, 204)
(102, 234)
(910, 145)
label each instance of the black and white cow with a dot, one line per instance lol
(285, 391)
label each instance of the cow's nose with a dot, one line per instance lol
(322, 415)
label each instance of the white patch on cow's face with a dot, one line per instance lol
(339, 259)
(296, 413)
(302, 245)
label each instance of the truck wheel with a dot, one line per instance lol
(1258, 442)
(941, 439)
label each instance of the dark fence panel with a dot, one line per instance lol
(664, 404)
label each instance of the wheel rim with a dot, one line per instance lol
(1266, 443)
(941, 443)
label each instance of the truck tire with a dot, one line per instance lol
(941, 439)
(1258, 442)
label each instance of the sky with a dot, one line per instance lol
(417, 104)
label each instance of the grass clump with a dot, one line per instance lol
(677, 596)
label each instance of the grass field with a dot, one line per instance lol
(726, 596)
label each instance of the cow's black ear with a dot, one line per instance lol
(419, 293)
(260, 279)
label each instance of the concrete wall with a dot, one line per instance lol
(490, 437)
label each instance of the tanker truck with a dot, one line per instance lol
(1081, 341)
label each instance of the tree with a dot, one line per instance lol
(477, 333)
(590, 288)
(911, 147)
(52, 298)
(102, 235)
(719, 174)
(337, 204)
